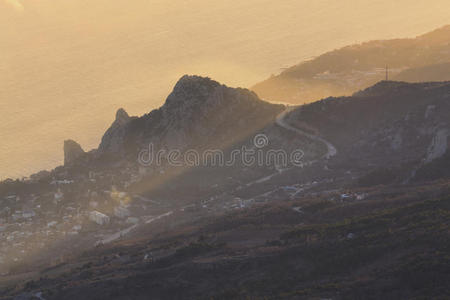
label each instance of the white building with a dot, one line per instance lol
(98, 217)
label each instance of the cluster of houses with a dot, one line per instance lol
(85, 207)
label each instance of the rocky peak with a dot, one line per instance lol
(122, 117)
(195, 96)
(198, 111)
(113, 137)
(72, 151)
(190, 91)
(199, 107)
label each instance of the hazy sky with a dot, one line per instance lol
(66, 66)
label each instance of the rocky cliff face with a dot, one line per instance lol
(198, 112)
(112, 140)
(72, 151)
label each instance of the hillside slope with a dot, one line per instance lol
(391, 124)
(349, 69)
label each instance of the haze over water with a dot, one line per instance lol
(67, 66)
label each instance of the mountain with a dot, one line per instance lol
(389, 125)
(349, 69)
(198, 112)
(72, 151)
(199, 116)
(363, 212)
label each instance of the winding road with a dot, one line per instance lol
(280, 121)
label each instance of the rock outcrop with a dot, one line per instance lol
(72, 151)
(198, 112)
(113, 138)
